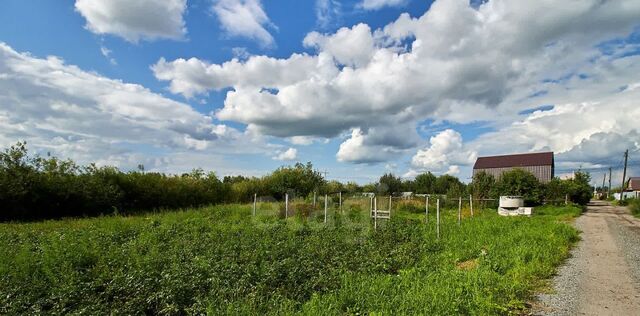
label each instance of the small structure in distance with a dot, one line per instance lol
(541, 165)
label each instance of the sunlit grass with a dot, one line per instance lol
(223, 260)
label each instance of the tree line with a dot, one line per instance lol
(34, 187)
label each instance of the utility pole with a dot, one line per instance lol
(603, 180)
(624, 174)
(609, 191)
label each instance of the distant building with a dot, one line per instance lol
(633, 188)
(634, 184)
(541, 165)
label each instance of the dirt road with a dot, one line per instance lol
(603, 275)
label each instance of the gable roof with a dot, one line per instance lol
(517, 160)
(634, 183)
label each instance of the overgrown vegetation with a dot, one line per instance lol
(221, 260)
(522, 183)
(34, 187)
(634, 206)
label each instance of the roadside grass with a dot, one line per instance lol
(634, 207)
(221, 260)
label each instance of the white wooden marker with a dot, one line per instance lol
(255, 198)
(325, 208)
(375, 213)
(471, 203)
(459, 210)
(426, 209)
(286, 205)
(438, 218)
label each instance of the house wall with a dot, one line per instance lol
(542, 173)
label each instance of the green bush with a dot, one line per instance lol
(634, 206)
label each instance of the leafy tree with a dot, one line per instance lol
(482, 185)
(333, 186)
(579, 189)
(389, 184)
(425, 183)
(352, 187)
(370, 187)
(300, 180)
(448, 184)
(521, 183)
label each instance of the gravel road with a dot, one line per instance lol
(602, 277)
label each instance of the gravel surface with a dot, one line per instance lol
(628, 238)
(602, 277)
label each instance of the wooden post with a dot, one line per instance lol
(566, 199)
(471, 203)
(340, 195)
(389, 204)
(426, 209)
(314, 199)
(375, 213)
(325, 208)
(255, 198)
(459, 210)
(438, 218)
(286, 205)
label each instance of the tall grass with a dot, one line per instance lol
(222, 260)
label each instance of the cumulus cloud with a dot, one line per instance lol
(91, 118)
(379, 4)
(375, 145)
(244, 18)
(134, 20)
(287, 155)
(444, 155)
(457, 63)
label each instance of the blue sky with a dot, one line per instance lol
(359, 88)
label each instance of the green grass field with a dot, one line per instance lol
(221, 260)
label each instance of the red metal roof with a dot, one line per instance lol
(634, 183)
(517, 160)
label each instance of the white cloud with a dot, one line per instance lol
(352, 47)
(245, 18)
(302, 140)
(379, 4)
(287, 155)
(444, 154)
(456, 63)
(134, 20)
(107, 54)
(377, 145)
(91, 118)
(327, 12)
